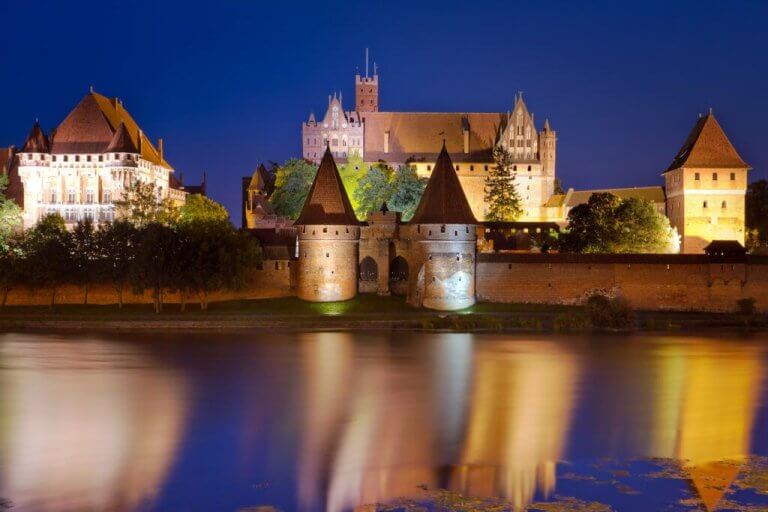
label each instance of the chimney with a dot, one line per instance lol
(386, 141)
(160, 147)
(466, 141)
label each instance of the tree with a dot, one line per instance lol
(757, 214)
(116, 248)
(608, 224)
(407, 189)
(500, 191)
(142, 205)
(11, 268)
(85, 255)
(292, 183)
(372, 190)
(10, 216)
(199, 208)
(156, 256)
(48, 254)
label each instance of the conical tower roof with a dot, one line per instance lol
(121, 142)
(708, 146)
(36, 141)
(327, 201)
(260, 179)
(443, 201)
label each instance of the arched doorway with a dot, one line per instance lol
(369, 275)
(398, 276)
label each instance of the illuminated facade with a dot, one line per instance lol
(87, 163)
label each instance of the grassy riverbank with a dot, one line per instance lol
(364, 312)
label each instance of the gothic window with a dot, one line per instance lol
(398, 270)
(369, 270)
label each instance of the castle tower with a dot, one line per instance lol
(443, 243)
(256, 191)
(329, 237)
(34, 161)
(367, 89)
(705, 188)
(547, 156)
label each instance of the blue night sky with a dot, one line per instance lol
(228, 83)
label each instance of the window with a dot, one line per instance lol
(471, 167)
(66, 158)
(724, 205)
(733, 176)
(442, 229)
(107, 196)
(54, 158)
(89, 196)
(704, 204)
(697, 177)
(77, 158)
(457, 167)
(88, 158)
(53, 196)
(529, 168)
(714, 176)
(101, 158)
(429, 167)
(71, 196)
(117, 156)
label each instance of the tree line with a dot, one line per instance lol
(193, 250)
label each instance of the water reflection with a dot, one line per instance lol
(334, 421)
(521, 406)
(85, 426)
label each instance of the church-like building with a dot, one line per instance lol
(82, 167)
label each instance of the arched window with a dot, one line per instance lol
(398, 270)
(369, 271)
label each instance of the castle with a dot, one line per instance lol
(704, 187)
(86, 164)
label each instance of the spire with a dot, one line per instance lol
(327, 202)
(36, 141)
(121, 142)
(546, 125)
(312, 118)
(443, 201)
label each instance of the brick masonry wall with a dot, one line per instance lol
(673, 283)
(273, 280)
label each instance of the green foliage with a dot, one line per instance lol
(746, 306)
(85, 254)
(156, 262)
(142, 206)
(47, 258)
(500, 191)
(609, 313)
(11, 265)
(292, 183)
(571, 321)
(199, 208)
(757, 214)
(372, 190)
(116, 244)
(608, 224)
(10, 216)
(407, 189)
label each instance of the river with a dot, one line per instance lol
(335, 421)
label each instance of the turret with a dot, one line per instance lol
(443, 243)
(329, 237)
(367, 89)
(547, 149)
(36, 147)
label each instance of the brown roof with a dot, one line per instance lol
(443, 201)
(91, 125)
(707, 146)
(36, 141)
(121, 142)
(416, 135)
(653, 194)
(327, 201)
(261, 179)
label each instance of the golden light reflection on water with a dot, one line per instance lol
(83, 430)
(519, 414)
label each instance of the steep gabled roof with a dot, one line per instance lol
(260, 179)
(707, 146)
(36, 141)
(91, 125)
(121, 142)
(327, 201)
(443, 201)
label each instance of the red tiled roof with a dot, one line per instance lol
(443, 201)
(327, 201)
(707, 146)
(91, 125)
(415, 135)
(36, 141)
(121, 142)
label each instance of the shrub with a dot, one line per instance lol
(571, 321)
(746, 306)
(607, 313)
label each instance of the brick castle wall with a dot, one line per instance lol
(676, 282)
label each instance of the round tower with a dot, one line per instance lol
(328, 239)
(443, 240)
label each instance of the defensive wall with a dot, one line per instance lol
(678, 282)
